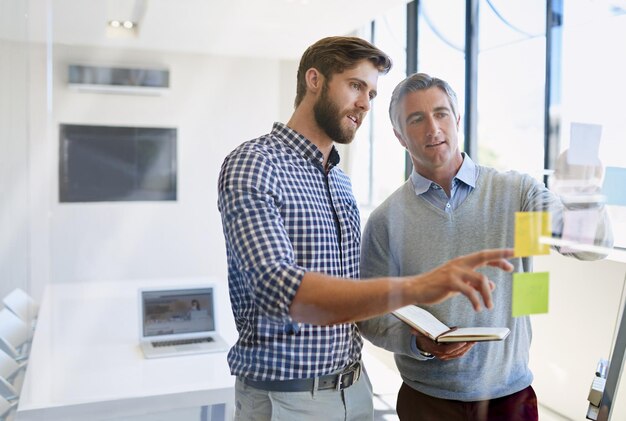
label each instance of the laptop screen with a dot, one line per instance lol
(180, 311)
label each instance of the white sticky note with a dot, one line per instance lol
(579, 226)
(584, 144)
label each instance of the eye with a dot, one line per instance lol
(415, 119)
(355, 86)
(441, 114)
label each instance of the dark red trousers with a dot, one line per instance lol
(415, 406)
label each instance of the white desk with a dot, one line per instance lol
(86, 364)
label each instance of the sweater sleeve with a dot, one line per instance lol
(538, 198)
(386, 331)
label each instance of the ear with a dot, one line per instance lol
(314, 80)
(400, 138)
(458, 122)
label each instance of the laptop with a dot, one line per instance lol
(178, 321)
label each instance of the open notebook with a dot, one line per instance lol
(178, 321)
(427, 324)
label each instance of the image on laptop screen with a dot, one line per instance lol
(176, 312)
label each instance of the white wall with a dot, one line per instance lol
(14, 178)
(215, 103)
(288, 71)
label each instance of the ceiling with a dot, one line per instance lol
(257, 28)
(265, 28)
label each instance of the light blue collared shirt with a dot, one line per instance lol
(462, 185)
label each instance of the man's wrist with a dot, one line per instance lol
(422, 354)
(425, 354)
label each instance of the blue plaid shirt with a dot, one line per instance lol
(282, 216)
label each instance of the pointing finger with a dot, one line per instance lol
(484, 257)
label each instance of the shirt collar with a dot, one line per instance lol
(468, 173)
(304, 146)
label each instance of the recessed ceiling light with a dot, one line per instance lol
(127, 24)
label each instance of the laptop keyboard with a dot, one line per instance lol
(182, 342)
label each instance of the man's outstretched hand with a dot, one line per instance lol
(459, 276)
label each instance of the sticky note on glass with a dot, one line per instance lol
(529, 226)
(584, 144)
(530, 293)
(613, 186)
(580, 226)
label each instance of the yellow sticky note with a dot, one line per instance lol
(529, 226)
(530, 293)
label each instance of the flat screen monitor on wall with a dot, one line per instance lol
(111, 163)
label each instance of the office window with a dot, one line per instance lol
(594, 39)
(511, 85)
(376, 156)
(388, 165)
(103, 164)
(441, 46)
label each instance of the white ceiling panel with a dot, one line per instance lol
(265, 28)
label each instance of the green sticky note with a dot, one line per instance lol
(529, 226)
(530, 293)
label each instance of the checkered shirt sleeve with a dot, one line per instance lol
(282, 216)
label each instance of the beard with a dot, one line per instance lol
(328, 117)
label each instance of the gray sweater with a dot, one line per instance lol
(406, 235)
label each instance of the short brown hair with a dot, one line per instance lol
(333, 55)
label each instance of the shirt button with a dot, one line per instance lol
(447, 205)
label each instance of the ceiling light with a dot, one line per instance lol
(127, 24)
(124, 17)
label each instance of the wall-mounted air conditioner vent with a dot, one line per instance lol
(119, 80)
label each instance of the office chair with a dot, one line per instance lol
(8, 391)
(22, 305)
(14, 335)
(9, 368)
(6, 409)
(11, 377)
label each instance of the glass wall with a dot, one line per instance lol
(510, 87)
(594, 65)
(377, 156)
(511, 80)
(14, 130)
(441, 46)
(46, 242)
(588, 67)
(388, 162)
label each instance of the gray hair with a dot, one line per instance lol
(417, 82)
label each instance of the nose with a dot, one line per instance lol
(432, 128)
(363, 101)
